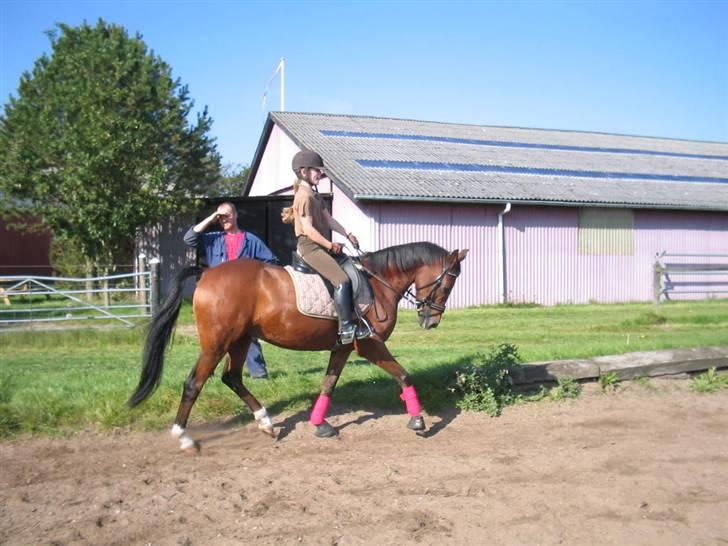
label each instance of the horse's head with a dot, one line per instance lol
(433, 284)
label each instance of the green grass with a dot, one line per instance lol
(58, 381)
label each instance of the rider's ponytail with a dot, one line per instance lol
(287, 216)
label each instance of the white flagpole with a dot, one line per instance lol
(283, 84)
(280, 69)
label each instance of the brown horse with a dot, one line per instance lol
(244, 298)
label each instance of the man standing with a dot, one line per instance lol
(230, 244)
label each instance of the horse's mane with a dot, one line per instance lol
(404, 257)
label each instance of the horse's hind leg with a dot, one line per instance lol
(233, 378)
(202, 370)
(333, 372)
(375, 351)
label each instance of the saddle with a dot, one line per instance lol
(314, 294)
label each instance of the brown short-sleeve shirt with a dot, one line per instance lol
(308, 203)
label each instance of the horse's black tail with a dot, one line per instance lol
(158, 337)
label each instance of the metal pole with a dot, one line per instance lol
(502, 288)
(154, 286)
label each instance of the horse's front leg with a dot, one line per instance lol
(375, 351)
(333, 372)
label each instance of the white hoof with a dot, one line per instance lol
(264, 422)
(185, 442)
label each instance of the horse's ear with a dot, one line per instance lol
(462, 254)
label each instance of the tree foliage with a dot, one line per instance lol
(98, 144)
(231, 182)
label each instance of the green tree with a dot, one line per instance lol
(231, 182)
(98, 144)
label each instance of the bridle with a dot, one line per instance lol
(428, 301)
(412, 298)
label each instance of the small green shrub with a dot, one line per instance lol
(566, 388)
(609, 382)
(709, 381)
(486, 385)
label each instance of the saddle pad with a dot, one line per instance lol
(312, 298)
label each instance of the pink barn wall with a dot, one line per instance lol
(543, 264)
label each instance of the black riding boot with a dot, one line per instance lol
(342, 301)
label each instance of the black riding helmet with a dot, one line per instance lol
(306, 159)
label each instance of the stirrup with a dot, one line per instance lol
(346, 337)
(364, 330)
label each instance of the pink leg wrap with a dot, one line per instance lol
(409, 395)
(318, 413)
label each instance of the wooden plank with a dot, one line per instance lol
(545, 372)
(626, 366)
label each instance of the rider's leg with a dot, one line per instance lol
(344, 308)
(326, 266)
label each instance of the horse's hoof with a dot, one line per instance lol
(324, 430)
(417, 424)
(270, 431)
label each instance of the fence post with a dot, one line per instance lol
(105, 286)
(657, 271)
(154, 286)
(141, 279)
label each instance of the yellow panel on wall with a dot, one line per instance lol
(605, 231)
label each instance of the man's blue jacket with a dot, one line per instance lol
(214, 246)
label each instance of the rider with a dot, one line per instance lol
(311, 219)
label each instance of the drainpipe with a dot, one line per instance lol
(502, 289)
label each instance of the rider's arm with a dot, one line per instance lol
(313, 234)
(338, 228)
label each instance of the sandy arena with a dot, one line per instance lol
(636, 467)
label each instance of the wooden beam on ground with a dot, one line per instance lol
(626, 366)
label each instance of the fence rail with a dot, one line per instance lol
(705, 274)
(30, 300)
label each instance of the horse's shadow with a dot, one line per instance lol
(355, 394)
(359, 394)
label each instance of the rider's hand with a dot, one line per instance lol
(353, 239)
(336, 248)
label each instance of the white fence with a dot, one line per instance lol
(30, 301)
(698, 275)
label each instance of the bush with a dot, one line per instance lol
(486, 385)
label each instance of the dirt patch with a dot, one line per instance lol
(636, 467)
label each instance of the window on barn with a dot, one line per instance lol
(606, 231)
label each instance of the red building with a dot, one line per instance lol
(23, 253)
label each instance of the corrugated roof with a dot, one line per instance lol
(393, 159)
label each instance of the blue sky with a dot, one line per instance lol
(640, 68)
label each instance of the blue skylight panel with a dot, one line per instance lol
(572, 173)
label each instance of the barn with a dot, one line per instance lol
(549, 216)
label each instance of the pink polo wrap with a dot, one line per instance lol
(409, 395)
(318, 413)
